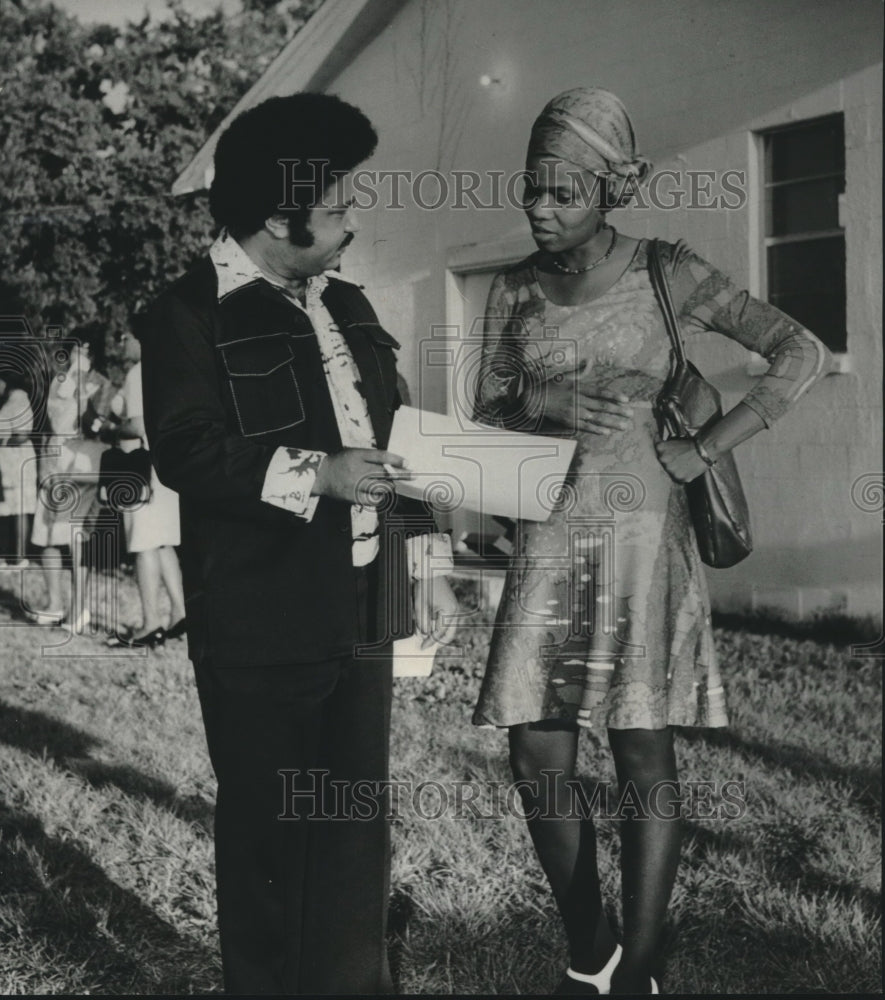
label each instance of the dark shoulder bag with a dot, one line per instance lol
(687, 406)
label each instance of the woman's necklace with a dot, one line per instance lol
(592, 264)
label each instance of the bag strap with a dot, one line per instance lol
(661, 287)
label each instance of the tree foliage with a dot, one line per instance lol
(95, 124)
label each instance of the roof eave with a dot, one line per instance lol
(337, 32)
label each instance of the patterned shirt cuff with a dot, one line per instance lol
(429, 555)
(289, 480)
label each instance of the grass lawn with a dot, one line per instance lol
(106, 805)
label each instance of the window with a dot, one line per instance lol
(804, 237)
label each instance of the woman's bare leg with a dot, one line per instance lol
(20, 533)
(52, 573)
(147, 576)
(82, 598)
(170, 573)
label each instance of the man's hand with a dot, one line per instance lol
(354, 475)
(569, 403)
(680, 459)
(434, 602)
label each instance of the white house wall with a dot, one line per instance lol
(699, 79)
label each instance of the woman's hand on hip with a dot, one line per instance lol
(569, 403)
(680, 459)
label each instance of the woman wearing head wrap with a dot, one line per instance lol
(605, 622)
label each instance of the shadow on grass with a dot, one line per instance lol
(865, 783)
(13, 603)
(511, 953)
(720, 946)
(786, 853)
(833, 628)
(726, 952)
(59, 903)
(70, 748)
(400, 912)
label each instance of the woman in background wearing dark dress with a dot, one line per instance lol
(655, 667)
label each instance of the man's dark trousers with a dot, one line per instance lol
(302, 902)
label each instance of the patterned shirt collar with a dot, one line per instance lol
(234, 269)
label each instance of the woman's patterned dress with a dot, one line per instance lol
(605, 616)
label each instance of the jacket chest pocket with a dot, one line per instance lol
(382, 348)
(263, 385)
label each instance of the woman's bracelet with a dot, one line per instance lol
(702, 451)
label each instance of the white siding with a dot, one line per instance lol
(699, 79)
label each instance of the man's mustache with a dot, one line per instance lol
(346, 241)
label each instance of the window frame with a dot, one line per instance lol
(763, 241)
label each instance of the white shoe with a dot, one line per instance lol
(47, 617)
(80, 623)
(654, 987)
(602, 980)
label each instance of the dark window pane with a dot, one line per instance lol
(803, 207)
(806, 150)
(809, 264)
(807, 281)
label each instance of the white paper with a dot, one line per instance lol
(410, 660)
(459, 464)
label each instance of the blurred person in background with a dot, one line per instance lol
(18, 470)
(78, 411)
(152, 529)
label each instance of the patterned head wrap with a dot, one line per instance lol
(588, 126)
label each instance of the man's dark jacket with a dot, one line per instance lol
(225, 384)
